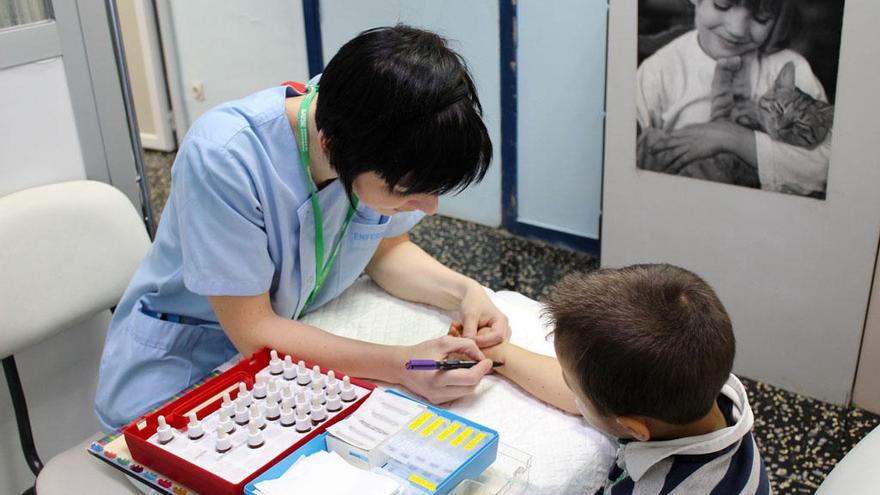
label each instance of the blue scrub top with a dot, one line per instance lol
(238, 223)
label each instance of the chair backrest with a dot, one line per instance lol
(67, 251)
(858, 473)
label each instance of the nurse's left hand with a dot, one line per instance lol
(478, 313)
(442, 386)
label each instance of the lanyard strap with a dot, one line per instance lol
(321, 269)
(609, 489)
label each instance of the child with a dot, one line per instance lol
(674, 91)
(644, 354)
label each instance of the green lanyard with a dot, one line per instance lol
(321, 269)
(607, 490)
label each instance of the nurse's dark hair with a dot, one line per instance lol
(644, 340)
(399, 102)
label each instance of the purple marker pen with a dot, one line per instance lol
(449, 364)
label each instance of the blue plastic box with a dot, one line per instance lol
(479, 461)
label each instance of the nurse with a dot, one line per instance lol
(279, 201)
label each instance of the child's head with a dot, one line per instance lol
(397, 102)
(728, 28)
(645, 341)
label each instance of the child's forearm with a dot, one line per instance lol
(537, 374)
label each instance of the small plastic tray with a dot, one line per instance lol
(471, 477)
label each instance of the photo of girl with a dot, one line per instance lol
(727, 91)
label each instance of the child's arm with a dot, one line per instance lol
(537, 374)
(699, 141)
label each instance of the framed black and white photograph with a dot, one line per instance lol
(739, 91)
(794, 272)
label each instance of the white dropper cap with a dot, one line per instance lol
(317, 377)
(273, 410)
(319, 413)
(317, 391)
(334, 402)
(260, 387)
(301, 402)
(255, 435)
(257, 416)
(331, 378)
(287, 414)
(194, 428)
(302, 373)
(289, 369)
(225, 422)
(164, 433)
(276, 366)
(273, 395)
(286, 392)
(224, 441)
(348, 393)
(303, 424)
(244, 395)
(227, 404)
(242, 416)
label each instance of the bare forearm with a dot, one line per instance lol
(352, 357)
(406, 271)
(250, 324)
(537, 374)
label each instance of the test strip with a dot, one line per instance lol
(422, 482)
(431, 427)
(418, 422)
(461, 437)
(474, 441)
(448, 431)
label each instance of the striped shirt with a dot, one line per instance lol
(717, 463)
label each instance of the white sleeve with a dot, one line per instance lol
(790, 168)
(649, 94)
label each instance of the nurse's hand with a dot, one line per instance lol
(442, 386)
(478, 313)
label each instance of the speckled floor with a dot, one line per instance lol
(801, 439)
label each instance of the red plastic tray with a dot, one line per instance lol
(139, 431)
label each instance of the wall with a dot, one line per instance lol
(793, 272)
(232, 49)
(560, 71)
(143, 56)
(472, 29)
(37, 110)
(561, 114)
(137, 66)
(866, 393)
(39, 145)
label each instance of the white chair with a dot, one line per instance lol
(67, 252)
(858, 473)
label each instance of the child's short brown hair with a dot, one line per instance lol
(647, 340)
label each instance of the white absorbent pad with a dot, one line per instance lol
(328, 474)
(567, 455)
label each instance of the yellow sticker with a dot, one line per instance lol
(422, 482)
(420, 420)
(449, 431)
(461, 437)
(474, 441)
(431, 427)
